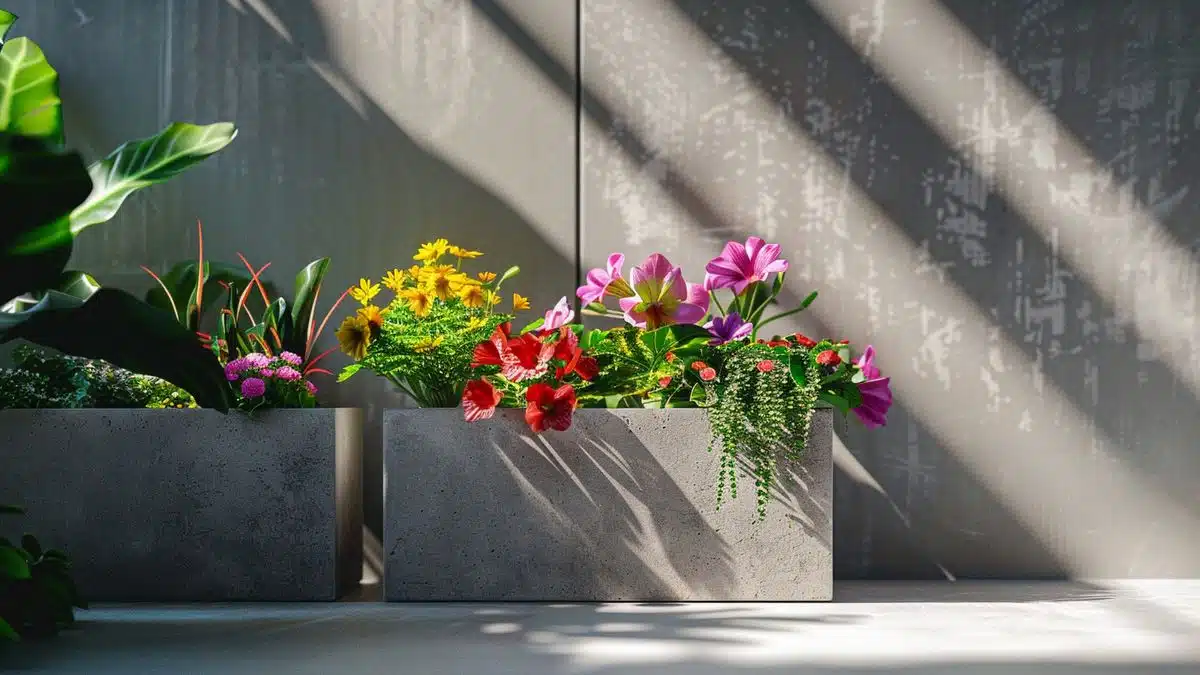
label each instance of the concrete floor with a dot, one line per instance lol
(1130, 628)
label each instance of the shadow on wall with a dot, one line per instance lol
(319, 169)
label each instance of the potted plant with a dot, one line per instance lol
(589, 471)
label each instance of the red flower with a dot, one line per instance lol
(549, 408)
(489, 353)
(479, 400)
(525, 357)
(671, 357)
(778, 343)
(567, 350)
(664, 382)
(699, 365)
(708, 374)
(804, 341)
(843, 342)
(828, 358)
(765, 366)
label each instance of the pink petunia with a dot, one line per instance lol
(605, 282)
(876, 391)
(740, 265)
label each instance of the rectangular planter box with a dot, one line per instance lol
(191, 505)
(622, 507)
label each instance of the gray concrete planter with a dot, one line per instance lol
(620, 508)
(183, 505)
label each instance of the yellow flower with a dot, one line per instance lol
(472, 294)
(364, 291)
(476, 323)
(520, 302)
(493, 298)
(419, 301)
(487, 277)
(428, 344)
(354, 336)
(459, 252)
(394, 280)
(430, 253)
(372, 315)
(443, 280)
(414, 272)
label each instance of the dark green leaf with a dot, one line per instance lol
(798, 365)
(13, 564)
(30, 544)
(6, 631)
(304, 305)
(180, 281)
(836, 401)
(11, 509)
(118, 328)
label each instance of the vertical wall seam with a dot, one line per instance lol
(578, 152)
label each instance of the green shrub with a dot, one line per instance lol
(44, 380)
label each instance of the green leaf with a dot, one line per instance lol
(29, 101)
(508, 274)
(77, 284)
(11, 509)
(533, 325)
(116, 327)
(6, 631)
(798, 365)
(12, 564)
(591, 338)
(180, 282)
(808, 300)
(30, 544)
(131, 167)
(304, 305)
(836, 401)
(7, 19)
(349, 371)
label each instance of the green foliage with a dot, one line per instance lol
(42, 380)
(633, 362)
(37, 594)
(428, 357)
(760, 414)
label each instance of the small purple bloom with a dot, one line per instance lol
(740, 265)
(876, 391)
(252, 387)
(291, 358)
(728, 328)
(312, 388)
(256, 360)
(288, 374)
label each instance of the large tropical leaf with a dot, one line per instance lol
(117, 327)
(7, 19)
(135, 165)
(304, 305)
(29, 101)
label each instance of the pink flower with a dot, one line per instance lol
(605, 282)
(234, 369)
(292, 358)
(740, 265)
(312, 388)
(256, 360)
(662, 297)
(266, 372)
(288, 374)
(252, 387)
(708, 374)
(876, 392)
(557, 317)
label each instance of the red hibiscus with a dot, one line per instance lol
(479, 400)
(525, 357)
(489, 353)
(567, 350)
(549, 408)
(828, 358)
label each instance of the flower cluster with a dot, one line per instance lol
(262, 381)
(424, 338)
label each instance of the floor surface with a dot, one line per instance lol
(1127, 628)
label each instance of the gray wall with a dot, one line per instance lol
(997, 194)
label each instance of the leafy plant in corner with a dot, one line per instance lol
(37, 594)
(50, 196)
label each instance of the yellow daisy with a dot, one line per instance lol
(364, 291)
(459, 252)
(419, 301)
(487, 277)
(520, 302)
(428, 344)
(373, 316)
(429, 253)
(443, 280)
(394, 280)
(354, 337)
(472, 294)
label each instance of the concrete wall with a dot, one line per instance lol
(999, 195)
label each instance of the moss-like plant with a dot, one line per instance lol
(45, 380)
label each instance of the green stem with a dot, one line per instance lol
(780, 316)
(396, 381)
(717, 302)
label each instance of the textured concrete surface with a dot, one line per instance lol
(167, 505)
(620, 507)
(991, 628)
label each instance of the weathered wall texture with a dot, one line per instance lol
(996, 194)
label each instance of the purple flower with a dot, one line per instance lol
(558, 317)
(605, 282)
(288, 374)
(739, 265)
(312, 388)
(256, 360)
(876, 391)
(234, 368)
(662, 297)
(728, 328)
(252, 387)
(266, 372)
(291, 358)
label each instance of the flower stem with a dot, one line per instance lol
(717, 302)
(781, 315)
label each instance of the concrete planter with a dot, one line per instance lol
(192, 505)
(620, 508)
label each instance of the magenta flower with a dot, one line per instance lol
(234, 369)
(661, 296)
(728, 328)
(312, 388)
(605, 282)
(288, 374)
(291, 358)
(558, 317)
(266, 372)
(876, 391)
(256, 360)
(252, 387)
(740, 265)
